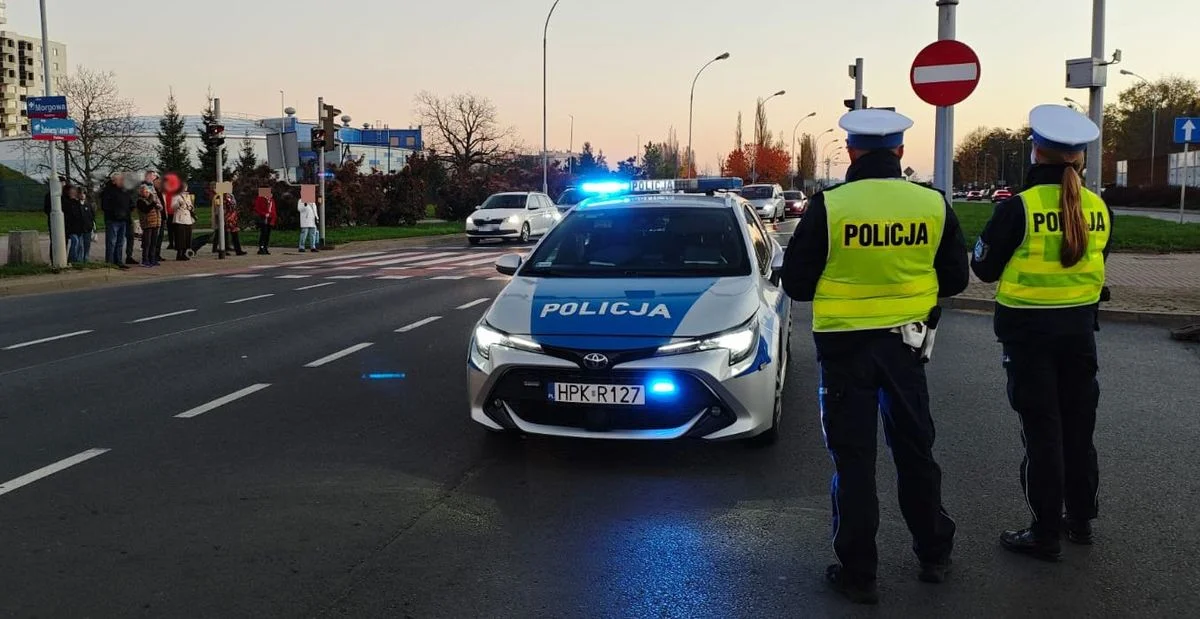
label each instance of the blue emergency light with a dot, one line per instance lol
(604, 187)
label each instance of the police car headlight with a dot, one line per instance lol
(486, 337)
(514, 219)
(740, 342)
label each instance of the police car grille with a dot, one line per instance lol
(526, 393)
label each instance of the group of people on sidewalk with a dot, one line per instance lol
(157, 205)
(79, 219)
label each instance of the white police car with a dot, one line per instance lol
(639, 317)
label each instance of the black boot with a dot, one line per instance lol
(857, 591)
(934, 572)
(1027, 543)
(1078, 531)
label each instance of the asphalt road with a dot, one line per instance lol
(294, 491)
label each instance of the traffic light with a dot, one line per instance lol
(329, 126)
(318, 138)
(849, 103)
(216, 134)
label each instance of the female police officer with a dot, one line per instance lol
(1047, 247)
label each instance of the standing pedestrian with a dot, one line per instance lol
(268, 215)
(155, 182)
(872, 308)
(232, 229)
(184, 218)
(73, 221)
(172, 186)
(308, 223)
(151, 216)
(117, 206)
(1047, 247)
(87, 225)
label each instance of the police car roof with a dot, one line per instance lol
(689, 200)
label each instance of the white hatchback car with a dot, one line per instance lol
(516, 216)
(768, 201)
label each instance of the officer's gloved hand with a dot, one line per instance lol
(1105, 295)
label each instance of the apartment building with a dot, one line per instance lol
(21, 76)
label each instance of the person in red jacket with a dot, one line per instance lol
(268, 215)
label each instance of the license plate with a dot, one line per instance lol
(489, 228)
(577, 393)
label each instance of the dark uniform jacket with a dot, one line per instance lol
(809, 248)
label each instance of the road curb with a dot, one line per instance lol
(1161, 319)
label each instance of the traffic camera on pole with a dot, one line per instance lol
(329, 127)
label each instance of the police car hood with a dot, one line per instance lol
(614, 314)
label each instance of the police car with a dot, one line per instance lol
(646, 316)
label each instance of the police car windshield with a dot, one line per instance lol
(757, 192)
(505, 200)
(642, 242)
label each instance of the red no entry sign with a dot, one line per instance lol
(945, 73)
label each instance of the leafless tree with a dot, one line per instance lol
(466, 132)
(106, 126)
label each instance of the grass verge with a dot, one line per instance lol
(36, 220)
(24, 270)
(338, 236)
(1131, 233)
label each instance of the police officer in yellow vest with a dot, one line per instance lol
(1047, 246)
(873, 255)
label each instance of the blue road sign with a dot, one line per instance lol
(54, 129)
(46, 107)
(1187, 130)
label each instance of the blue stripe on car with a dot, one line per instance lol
(578, 311)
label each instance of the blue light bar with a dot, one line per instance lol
(707, 184)
(384, 375)
(604, 187)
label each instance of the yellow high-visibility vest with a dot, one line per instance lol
(1034, 277)
(883, 236)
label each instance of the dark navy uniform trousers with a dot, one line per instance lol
(880, 377)
(1052, 386)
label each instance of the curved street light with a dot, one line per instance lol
(1077, 104)
(757, 137)
(691, 162)
(545, 140)
(797, 126)
(1153, 122)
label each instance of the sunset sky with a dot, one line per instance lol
(621, 67)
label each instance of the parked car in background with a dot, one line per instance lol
(794, 203)
(974, 195)
(570, 197)
(767, 200)
(515, 216)
(1001, 194)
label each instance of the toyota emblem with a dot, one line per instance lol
(595, 361)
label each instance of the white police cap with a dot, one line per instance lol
(874, 129)
(1058, 127)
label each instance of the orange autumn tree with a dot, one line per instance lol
(772, 165)
(736, 164)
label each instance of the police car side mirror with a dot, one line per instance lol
(777, 265)
(508, 264)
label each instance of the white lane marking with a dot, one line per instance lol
(46, 339)
(418, 324)
(292, 276)
(320, 285)
(245, 276)
(199, 275)
(500, 278)
(222, 401)
(964, 72)
(254, 298)
(425, 263)
(338, 355)
(149, 318)
(410, 258)
(50, 469)
(475, 263)
(449, 277)
(441, 268)
(395, 277)
(344, 277)
(313, 266)
(332, 258)
(473, 303)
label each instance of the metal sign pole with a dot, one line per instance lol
(858, 83)
(943, 158)
(1183, 182)
(58, 231)
(1095, 164)
(220, 206)
(321, 168)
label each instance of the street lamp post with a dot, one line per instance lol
(1153, 123)
(58, 231)
(691, 162)
(757, 137)
(545, 139)
(797, 126)
(571, 149)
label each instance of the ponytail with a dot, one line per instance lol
(1075, 230)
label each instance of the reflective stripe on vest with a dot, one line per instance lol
(883, 235)
(1035, 277)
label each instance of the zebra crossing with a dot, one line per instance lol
(449, 264)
